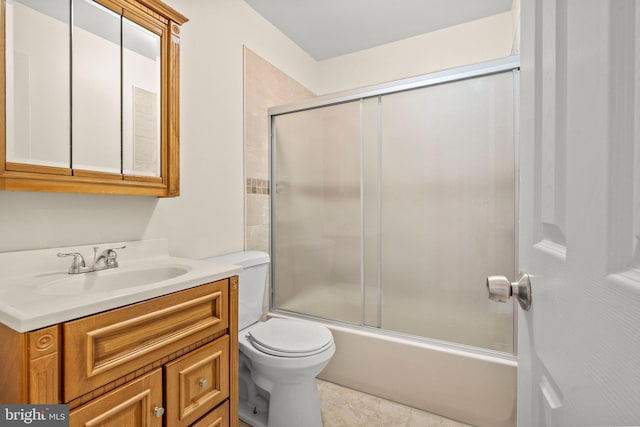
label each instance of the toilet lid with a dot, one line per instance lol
(290, 338)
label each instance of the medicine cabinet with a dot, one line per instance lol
(91, 96)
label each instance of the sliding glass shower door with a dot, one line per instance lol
(447, 210)
(317, 213)
(390, 209)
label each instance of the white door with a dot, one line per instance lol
(579, 344)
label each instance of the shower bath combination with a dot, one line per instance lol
(390, 207)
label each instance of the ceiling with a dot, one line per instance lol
(328, 28)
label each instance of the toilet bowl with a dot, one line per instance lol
(286, 370)
(279, 358)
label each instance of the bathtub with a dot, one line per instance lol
(467, 385)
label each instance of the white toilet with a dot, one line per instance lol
(279, 358)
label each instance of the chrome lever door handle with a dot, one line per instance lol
(501, 289)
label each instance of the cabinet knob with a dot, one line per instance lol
(203, 382)
(158, 411)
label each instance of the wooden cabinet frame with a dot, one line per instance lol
(27, 177)
(182, 334)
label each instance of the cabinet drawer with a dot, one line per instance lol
(197, 383)
(131, 405)
(219, 417)
(107, 346)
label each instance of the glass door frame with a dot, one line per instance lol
(510, 63)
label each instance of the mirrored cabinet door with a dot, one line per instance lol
(95, 85)
(92, 96)
(37, 82)
(141, 100)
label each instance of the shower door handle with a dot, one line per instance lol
(501, 289)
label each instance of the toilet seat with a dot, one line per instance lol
(290, 338)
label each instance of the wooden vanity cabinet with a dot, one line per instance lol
(170, 361)
(30, 365)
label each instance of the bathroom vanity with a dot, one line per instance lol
(167, 359)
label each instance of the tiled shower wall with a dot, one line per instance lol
(265, 86)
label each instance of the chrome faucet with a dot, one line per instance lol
(77, 265)
(108, 258)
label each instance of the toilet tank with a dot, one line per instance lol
(252, 283)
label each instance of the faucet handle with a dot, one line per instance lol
(78, 260)
(112, 255)
(77, 265)
(105, 252)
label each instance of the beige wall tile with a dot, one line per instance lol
(265, 86)
(258, 237)
(257, 209)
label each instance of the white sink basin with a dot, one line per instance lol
(107, 280)
(36, 290)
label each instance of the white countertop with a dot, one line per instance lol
(27, 301)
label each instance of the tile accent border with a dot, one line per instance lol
(258, 186)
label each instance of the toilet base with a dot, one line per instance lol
(295, 405)
(254, 418)
(289, 405)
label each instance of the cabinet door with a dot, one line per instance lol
(197, 383)
(135, 404)
(219, 417)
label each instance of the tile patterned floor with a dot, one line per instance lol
(344, 407)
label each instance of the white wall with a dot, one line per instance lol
(207, 219)
(469, 43)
